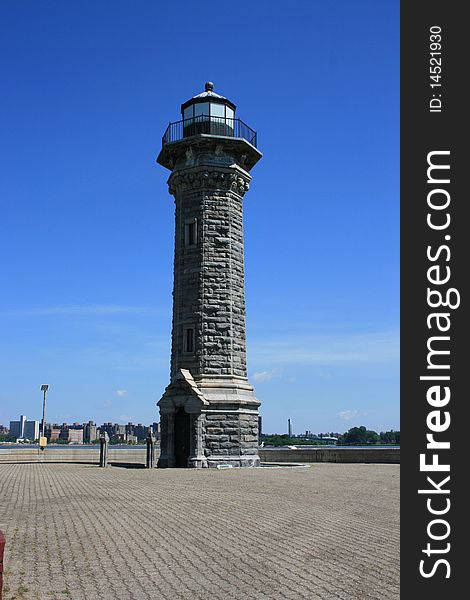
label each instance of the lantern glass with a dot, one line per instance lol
(202, 111)
(229, 114)
(217, 110)
(189, 112)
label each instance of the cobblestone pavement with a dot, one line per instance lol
(78, 532)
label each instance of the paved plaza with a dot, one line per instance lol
(79, 532)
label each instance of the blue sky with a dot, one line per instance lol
(87, 222)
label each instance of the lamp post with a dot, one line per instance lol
(44, 388)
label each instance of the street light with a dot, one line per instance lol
(42, 441)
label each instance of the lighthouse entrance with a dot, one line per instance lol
(182, 438)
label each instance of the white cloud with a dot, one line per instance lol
(347, 415)
(262, 376)
(121, 393)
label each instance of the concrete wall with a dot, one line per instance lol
(80, 455)
(340, 455)
(138, 455)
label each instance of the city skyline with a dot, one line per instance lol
(289, 430)
(88, 235)
(289, 425)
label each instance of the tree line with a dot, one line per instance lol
(356, 436)
(360, 436)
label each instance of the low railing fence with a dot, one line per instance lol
(209, 125)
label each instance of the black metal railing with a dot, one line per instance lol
(209, 125)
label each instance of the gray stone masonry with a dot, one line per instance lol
(210, 175)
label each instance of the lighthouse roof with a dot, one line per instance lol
(208, 95)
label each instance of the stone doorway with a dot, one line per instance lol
(182, 438)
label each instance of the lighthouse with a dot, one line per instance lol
(209, 411)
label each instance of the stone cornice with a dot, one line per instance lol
(234, 180)
(238, 149)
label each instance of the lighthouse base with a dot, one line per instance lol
(208, 423)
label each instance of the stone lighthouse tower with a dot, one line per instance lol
(208, 412)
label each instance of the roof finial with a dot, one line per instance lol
(209, 86)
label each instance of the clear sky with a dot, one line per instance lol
(88, 88)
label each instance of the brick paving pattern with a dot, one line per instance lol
(78, 532)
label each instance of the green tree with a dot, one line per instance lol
(390, 437)
(359, 436)
(285, 440)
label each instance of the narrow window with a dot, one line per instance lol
(190, 233)
(188, 341)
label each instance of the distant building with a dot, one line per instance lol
(17, 427)
(31, 430)
(75, 436)
(71, 434)
(55, 434)
(140, 431)
(65, 433)
(24, 429)
(52, 432)
(119, 430)
(129, 432)
(90, 432)
(289, 427)
(107, 428)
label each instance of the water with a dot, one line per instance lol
(143, 446)
(320, 446)
(75, 446)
